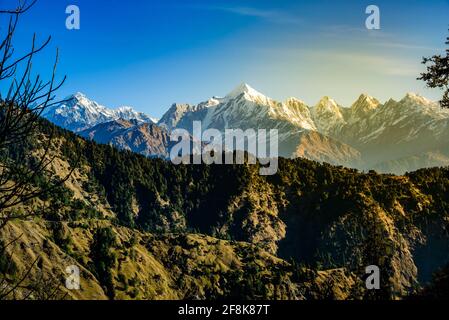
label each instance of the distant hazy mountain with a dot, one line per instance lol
(144, 138)
(245, 108)
(396, 136)
(393, 137)
(78, 113)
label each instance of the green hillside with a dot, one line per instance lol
(143, 228)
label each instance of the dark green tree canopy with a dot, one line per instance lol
(437, 75)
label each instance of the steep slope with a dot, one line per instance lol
(140, 264)
(173, 115)
(332, 220)
(148, 267)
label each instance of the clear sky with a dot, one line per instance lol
(149, 54)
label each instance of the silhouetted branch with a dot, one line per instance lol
(21, 106)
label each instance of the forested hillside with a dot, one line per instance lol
(145, 228)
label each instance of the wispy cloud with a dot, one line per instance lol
(339, 30)
(271, 15)
(387, 65)
(398, 45)
(374, 38)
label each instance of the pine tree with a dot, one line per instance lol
(437, 75)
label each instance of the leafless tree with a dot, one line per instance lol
(23, 98)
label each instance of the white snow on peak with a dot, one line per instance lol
(363, 107)
(77, 112)
(327, 104)
(416, 98)
(293, 100)
(242, 88)
(365, 98)
(297, 112)
(365, 103)
(327, 115)
(248, 93)
(125, 109)
(78, 95)
(212, 102)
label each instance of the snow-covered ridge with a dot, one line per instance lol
(242, 105)
(246, 104)
(366, 135)
(248, 93)
(77, 112)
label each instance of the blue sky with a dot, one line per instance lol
(149, 54)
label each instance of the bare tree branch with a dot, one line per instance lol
(26, 98)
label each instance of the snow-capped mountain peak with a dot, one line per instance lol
(294, 101)
(327, 104)
(249, 94)
(125, 109)
(415, 98)
(297, 112)
(77, 112)
(368, 134)
(174, 114)
(212, 102)
(242, 89)
(366, 101)
(327, 115)
(78, 95)
(363, 106)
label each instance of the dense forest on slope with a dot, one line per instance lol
(145, 228)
